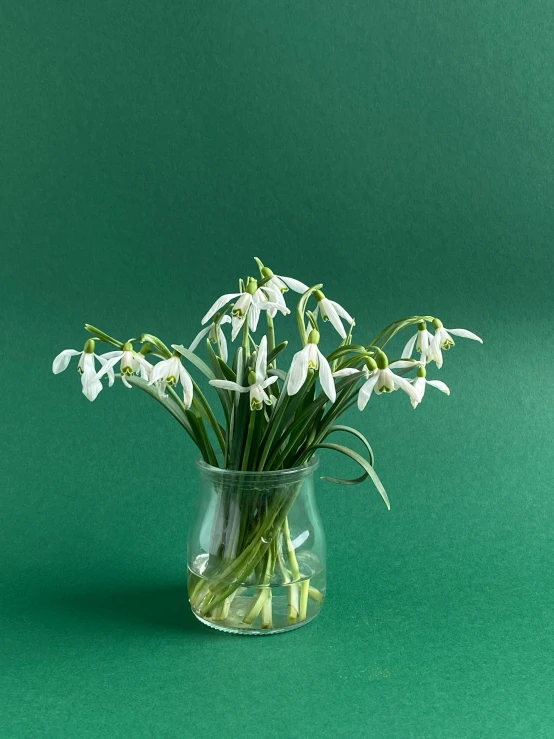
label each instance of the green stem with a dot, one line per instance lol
(249, 435)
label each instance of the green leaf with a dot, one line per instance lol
(275, 352)
(158, 343)
(281, 374)
(346, 349)
(357, 434)
(226, 371)
(364, 464)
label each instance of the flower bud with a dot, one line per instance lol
(382, 360)
(319, 296)
(313, 337)
(145, 349)
(421, 326)
(89, 346)
(267, 273)
(251, 377)
(422, 372)
(371, 364)
(127, 347)
(437, 323)
(251, 286)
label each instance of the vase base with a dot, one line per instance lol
(253, 631)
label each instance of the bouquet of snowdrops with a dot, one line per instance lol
(270, 418)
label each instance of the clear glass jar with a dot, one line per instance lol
(256, 551)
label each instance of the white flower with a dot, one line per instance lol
(311, 358)
(258, 379)
(421, 382)
(279, 282)
(131, 363)
(423, 339)
(90, 383)
(214, 332)
(332, 312)
(169, 372)
(442, 341)
(248, 305)
(381, 379)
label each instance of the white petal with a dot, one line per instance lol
(408, 349)
(342, 312)
(466, 334)
(261, 361)
(403, 384)
(186, 382)
(278, 306)
(253, 316)
(228, 385)
(403, 363)
(62, 360)
(329, 312)
(106, 367)
(298, 371)
(160, 371)
(269, 381)
(125, 381)
(91, 388)
(326, 378)
(419, 386)
(111, 355)
(237, 325)
(439, 385)
(219, 303)
(347, 371)
(365, 391)
(223, 341)
(296, 285)
(198, 338)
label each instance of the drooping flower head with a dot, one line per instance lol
(248, 305)
(420, 382)
(380, 378)
(308, 358)
(215, 335)
(90, 383)
(442, 341)
(168, 373)
(131, 363)
(332, 312)
(280, 282)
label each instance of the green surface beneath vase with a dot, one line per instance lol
(401, 153)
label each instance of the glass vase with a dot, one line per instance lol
(256, 551)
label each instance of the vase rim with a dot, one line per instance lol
(289, 474)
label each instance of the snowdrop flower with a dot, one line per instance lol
(423, 339)
(332, 312)
(311, 358)
(380, 378)
(215, 335)
(421, 382)
(257, 381)
(442, 340)
(279, 282)
(90, 382)
(248, 305)
(131, 363)
(168, 373)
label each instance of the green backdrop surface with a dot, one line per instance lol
(400, 153)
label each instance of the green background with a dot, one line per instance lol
(400, 153)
